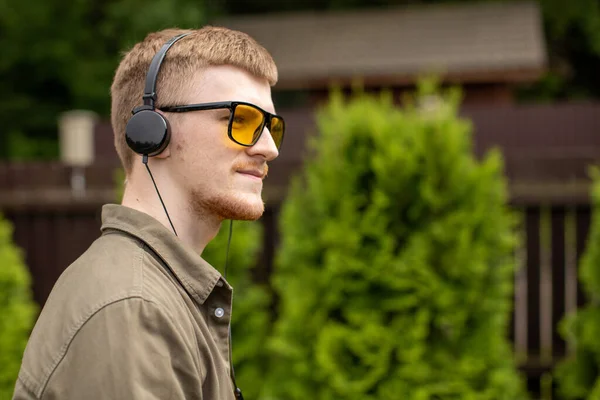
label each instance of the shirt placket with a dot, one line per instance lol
(220, 313)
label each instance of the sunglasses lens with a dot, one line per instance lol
(277, 129)
(247, 124)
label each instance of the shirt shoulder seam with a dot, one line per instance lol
(65, 348)
(136, 292)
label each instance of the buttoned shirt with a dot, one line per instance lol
(139, 315)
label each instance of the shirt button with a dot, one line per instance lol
(220, 283)
(219, 312)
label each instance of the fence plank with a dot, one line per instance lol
(583, 217)
(571, 280)
(558, 279)
(532, 226)
(520, 303)
(546, 295)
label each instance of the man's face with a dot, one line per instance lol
(221, 178)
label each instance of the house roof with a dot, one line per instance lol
(472, 42)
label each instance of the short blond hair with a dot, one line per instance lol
(203, 47)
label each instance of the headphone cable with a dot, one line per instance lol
(145, 161)
(227, 251)
(237, 391)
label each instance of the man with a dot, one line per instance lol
(140, 315)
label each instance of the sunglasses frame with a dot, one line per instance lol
(231, 105)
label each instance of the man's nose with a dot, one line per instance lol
(265, 146)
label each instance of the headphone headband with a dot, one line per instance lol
(147, 132)
(152, 76)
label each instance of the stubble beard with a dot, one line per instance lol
(226, 206)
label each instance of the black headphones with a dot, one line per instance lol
(147, 132)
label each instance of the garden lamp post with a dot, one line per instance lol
(76, 129)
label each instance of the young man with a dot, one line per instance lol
(140, 315)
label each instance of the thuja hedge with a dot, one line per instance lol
(17, 309)
(394, 273)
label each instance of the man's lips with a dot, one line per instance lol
(253, 172)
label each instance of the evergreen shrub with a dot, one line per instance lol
(395, 269)
(18, 311)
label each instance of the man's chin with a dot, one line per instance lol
(243, 212)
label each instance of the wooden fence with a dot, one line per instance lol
(546, 286)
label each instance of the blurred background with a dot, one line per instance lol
(527, 70)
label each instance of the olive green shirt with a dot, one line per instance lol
(138, 316)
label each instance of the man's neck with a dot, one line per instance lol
(194, 230)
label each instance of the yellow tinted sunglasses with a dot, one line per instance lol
(246, 121)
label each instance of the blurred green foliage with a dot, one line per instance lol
(395, 268)
(58, 56)
(578, 375)
(17, 309)
(572, 30)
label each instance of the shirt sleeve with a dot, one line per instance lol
(130, 349)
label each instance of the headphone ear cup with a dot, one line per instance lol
(148, 133)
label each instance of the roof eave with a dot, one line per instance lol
(503, 76)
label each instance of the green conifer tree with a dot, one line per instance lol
(395, 269)
(17, 309)
(578, 376)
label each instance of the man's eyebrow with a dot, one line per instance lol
(267, 107)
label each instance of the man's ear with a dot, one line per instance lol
(166, 153)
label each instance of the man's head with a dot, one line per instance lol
(212, 172)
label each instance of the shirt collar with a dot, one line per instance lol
(196, 275)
